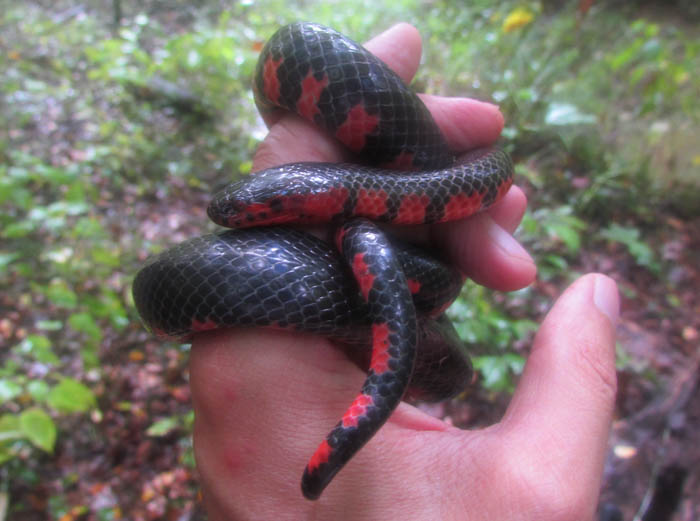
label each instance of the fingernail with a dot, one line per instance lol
(606, 298)
(506, 242)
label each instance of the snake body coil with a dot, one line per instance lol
(382, 300)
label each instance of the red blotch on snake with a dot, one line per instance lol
(270, 82)
(462, 205)
(321, 455)
(311, 89)
(412, 209)
(404, 161)
(355, 127)
(206, 325)
(357, 409)
(413, 285)
(380, 348)
(325, 205)
(365, 278)
(371, 203)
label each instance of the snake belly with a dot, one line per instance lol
(380, 299)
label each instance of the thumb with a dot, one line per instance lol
(562, 408)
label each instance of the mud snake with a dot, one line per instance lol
(382, 300)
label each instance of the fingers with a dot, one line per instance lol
(563, 406)
(508, 212)
(294, 139)
(482, 249)
(466, 123)
(400, 47)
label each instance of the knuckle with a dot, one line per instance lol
(268, 153)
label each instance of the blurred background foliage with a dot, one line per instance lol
(118, 119)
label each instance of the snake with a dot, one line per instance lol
(380, 299)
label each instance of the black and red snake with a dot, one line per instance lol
(380, 299)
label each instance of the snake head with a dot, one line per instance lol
(294, 193)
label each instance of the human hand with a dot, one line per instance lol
(264, 399)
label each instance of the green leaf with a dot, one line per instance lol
(524, 327)
(38, 389)
(567, 114)
(9, 389)
(55, 176)
(498, 371)
(76, 192)
(107, 257)
(61, 295)
(559, 223)
(529, 224)
(39, 348)
(18, 229)
(630, 237)
(71, 396)
(6, 259)
(568, 235)
(556, 261)
(91, 360)
(84, 323)
(59, 255)
(33, 342)
(10, 430)
(6, 453)
(68, 208)
(39, 428)
(163, 426)
(108, 305)
(188, 421)
(88, 227)
(9, 423)
(49, 325)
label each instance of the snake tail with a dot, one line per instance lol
(384, 287)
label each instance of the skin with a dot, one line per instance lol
(264, 400)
